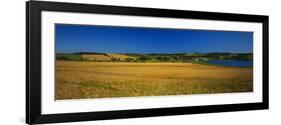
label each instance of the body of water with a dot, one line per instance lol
(231, 63)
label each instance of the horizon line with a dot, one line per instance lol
(91, 52)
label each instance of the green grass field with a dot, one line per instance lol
(81, 80)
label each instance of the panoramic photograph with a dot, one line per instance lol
(95, 61)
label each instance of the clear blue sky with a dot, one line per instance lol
(113, 39)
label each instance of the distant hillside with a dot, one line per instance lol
(153, 57)
(92, 53)
(105, 57)
(95, 57)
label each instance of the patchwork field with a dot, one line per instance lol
(82, 79)
(95, 57)
(104, 57)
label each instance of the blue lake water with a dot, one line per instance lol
(231, 63)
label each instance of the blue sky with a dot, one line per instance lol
(114, 39)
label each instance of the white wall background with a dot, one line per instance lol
(12, 62)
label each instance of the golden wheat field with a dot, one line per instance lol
(81, 80)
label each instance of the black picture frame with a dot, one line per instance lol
(33, 61)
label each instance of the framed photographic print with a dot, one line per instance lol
(95, 62)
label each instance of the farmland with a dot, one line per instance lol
(152, 57)
(106, 79)
(104, 57)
